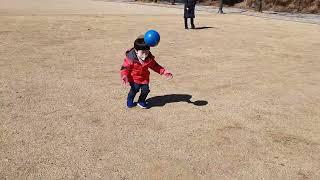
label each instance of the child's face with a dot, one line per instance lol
(142, 54)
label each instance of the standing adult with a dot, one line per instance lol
(220, 7)
(189, 7)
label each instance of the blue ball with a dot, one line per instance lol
(152, 38)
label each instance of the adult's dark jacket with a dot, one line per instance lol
(189, 7)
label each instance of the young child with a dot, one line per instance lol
(134, 71)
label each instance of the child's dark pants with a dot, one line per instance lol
(135, 89)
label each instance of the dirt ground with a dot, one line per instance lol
(255, 84)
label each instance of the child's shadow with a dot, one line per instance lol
(172, 98)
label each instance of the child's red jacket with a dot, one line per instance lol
(137, 72)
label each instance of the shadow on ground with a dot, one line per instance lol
(159, 101)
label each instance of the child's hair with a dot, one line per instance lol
(139, 44)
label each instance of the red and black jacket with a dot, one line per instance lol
(139, 72)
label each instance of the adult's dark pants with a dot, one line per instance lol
(186, 23)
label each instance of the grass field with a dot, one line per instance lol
(62, 105)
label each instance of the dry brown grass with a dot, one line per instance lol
(62, 107)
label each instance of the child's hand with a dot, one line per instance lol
(125, 80)
(168, 74)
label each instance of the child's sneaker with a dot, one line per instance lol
(130, 103)
(143, 105)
